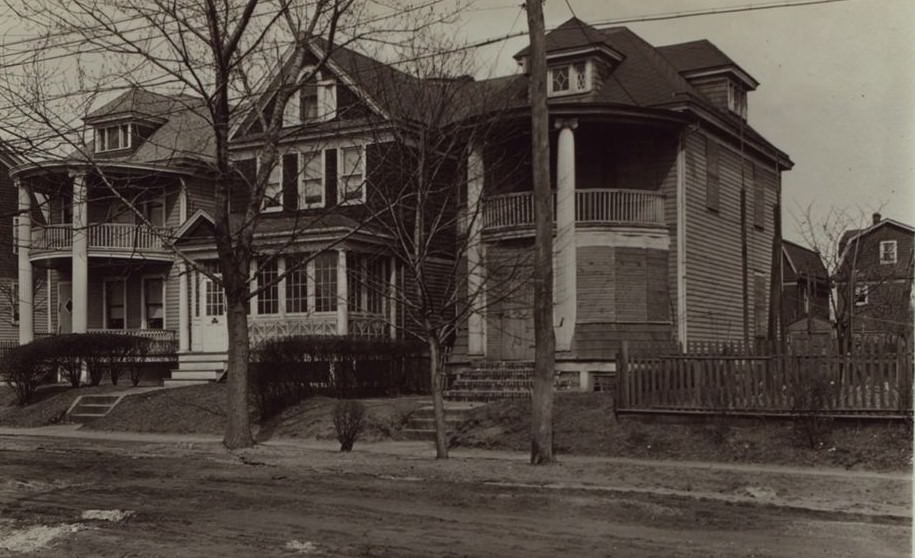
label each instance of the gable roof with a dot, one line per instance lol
(804, 261)
(853, 234)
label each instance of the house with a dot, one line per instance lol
(665, 201)
(874, 280)
(805, 295)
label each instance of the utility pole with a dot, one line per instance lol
(545, 343)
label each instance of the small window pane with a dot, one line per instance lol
(312, 187)
(273, 193)
(560, 78)
(296, 284)
(326, 282)
(581, 77)
(351, 174)
(268, 296)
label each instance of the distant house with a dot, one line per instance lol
(805, 293)
(874, 280)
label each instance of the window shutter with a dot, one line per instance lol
(713, 180)
(330, 177)
(759, 197)
(290, 181)
(327, 99)
(241, 190)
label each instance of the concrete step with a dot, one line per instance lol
(203, 365)
(202, 356)
(175, 383)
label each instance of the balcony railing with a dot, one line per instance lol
(605, 206)
(108, 236)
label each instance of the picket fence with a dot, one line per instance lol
(871, 380)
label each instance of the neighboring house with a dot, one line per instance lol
(665, 199)
(805, 294)
(874, 280)
(9, 282)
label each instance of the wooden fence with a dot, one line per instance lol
(868, 381)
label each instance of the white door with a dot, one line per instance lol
(64, 307)
(210, 318)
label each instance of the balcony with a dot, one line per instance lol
(111, 239)
(592, 208)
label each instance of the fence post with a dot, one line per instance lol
(622, 370)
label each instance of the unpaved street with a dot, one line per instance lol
(65, 498)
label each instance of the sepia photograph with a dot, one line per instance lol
(457, 278)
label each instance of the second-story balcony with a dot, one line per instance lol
(593, 207)
(123, 240)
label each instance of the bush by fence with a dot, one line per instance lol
(286, 370)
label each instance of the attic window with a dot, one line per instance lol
(737, 99)
(888, 252)
(568, 79)
(112, 138)
(315, 101)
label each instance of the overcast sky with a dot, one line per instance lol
(837, 86)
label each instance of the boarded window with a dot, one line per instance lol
(759, 196)
(712, 175)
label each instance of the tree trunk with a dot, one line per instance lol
(545, 343)
(438, 400)
(238, 423)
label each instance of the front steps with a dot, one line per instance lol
(90, 407)
(421, 425)
(492, 380)
(198, 368)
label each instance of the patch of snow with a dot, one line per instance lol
(34, 538)
(107, 515)
(306, 547)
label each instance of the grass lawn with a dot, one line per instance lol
(51, 402)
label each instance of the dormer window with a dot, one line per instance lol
(569, 79)
(315, 101)
(737, 99)
(113, 138)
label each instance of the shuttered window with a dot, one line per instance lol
(712, 175)
(759, 196)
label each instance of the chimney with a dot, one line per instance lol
(877, 218)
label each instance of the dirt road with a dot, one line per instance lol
(66, 498)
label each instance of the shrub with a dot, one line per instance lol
(349, 420)
(24, 369)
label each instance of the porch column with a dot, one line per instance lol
(80, 259)
(565, 299)
(392, 297)
(23, 247)
(476, 341)
(184, 313)
(342, 294)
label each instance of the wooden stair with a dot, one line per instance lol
(198, 368)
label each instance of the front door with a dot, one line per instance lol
(210, 321)
(64, 307)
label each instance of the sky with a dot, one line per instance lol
(837, 87)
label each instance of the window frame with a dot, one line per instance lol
(326, 274)
(573, 78)
(303, 177)
(737, 99)
(861, 294)
(307, 283)
(144, 311)
(895, 252)
(105, 302)
(341, 188)
(278, 197)
(261, 300)
(124, 135)
(325, 99)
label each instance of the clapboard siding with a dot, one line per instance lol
(509, 312)
(199, 196)
(714, 89)
(713, 242)
(172, 286)
(603, 340)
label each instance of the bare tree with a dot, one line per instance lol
(224, 62)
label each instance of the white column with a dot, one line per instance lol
(80, 259)
(565, 299)
(342, 294)
(476, 342)
(392, 298)
(24, 245)
(184, 310)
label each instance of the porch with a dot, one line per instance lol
(103, 239)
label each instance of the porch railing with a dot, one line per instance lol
(117, 236)
(600, 206)
(164, 341)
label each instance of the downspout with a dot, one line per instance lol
(681, 240)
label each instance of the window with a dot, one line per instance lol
(273, 193)
(154, 212)
(760, 308)
(311, 185)
(14, 303)
(888, 252)
(326, 282)
(214, 297)
(355, 278)
(297, 284)
(315, 101)
(153, 303)
(737, 99)
(712, 176)
(268, 295)
(377, 283)
(351, 181)
(568, 79)
(367, 283)
(112, 138)
(861, 292)
(115, 314)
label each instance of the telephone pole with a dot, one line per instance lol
(545, 343)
